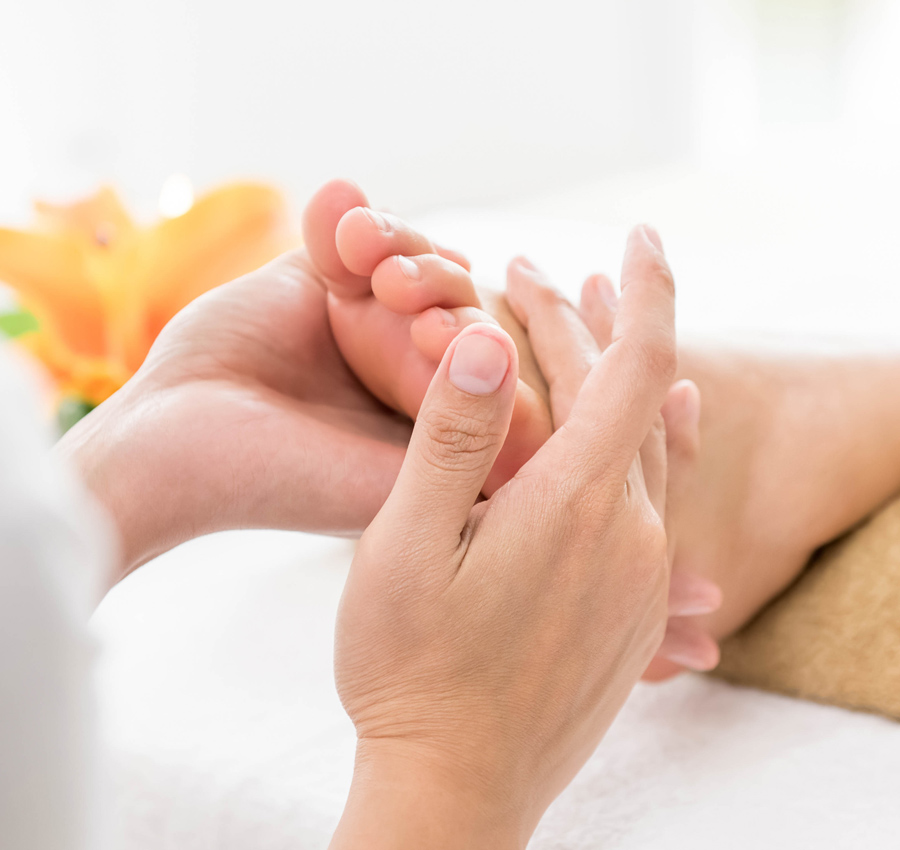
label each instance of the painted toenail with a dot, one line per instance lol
(378, 220)
(479, 364)
(409, 268)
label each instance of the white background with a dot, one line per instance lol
(430, 103)
(760, 136)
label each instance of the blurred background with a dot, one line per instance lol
(763, 132)
(759, 136)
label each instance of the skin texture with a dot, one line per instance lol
(798, 445)
(374, 307)
(782, 466)
(781, 469)
(396, 303)
(475, 702)
(246, 415)
(243, 415)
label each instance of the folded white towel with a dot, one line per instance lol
(226, 729)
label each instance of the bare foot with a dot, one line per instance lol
(394, 315)
(395, 301)
(795, 449)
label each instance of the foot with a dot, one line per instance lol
(396, 300)
(795, 450)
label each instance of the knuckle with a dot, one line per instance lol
(651, 571)
(657, 355)
(459, 444)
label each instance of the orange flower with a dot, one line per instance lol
(102, 288)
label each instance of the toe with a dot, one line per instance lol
(320, 221)
(365, 238)
(412, 284)
(531, 426)
(433, 330)
(454, 256)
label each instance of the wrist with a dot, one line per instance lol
(401, 797)
(104, 453)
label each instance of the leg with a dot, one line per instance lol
(795, 450)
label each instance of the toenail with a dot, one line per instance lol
(409, 268)
(448, 320)
(525, 263)
(378, 220)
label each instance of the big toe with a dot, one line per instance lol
(321, 217)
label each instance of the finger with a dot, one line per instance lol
(461, 426)
(412, 284)
(563, 347)
(365, 237)
(599, 304)
(687, 645)
(654, 466)
(320, 221)
(453, 256)
(691, 595)
(434, 330)
(681, 412)
(530, 427)
(624, 392)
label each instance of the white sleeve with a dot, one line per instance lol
(53, 546)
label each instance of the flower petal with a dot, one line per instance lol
(227, 233)
(100, 219)
(89, 379)
(49, 275)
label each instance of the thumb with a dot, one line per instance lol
(459, 431)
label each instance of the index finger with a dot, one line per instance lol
(624, 391)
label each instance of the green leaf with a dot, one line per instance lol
(18, 323)
(71, 410)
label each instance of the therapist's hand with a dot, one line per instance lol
(483, 648)
(244, 415)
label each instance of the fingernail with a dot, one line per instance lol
(653, 236)
(378, 220)
(698, 607)
(698, 663)
(409, 268)
(607, 293)
(479, 364)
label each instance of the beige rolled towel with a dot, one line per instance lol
(834, 635)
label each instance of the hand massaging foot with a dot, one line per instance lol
(396, 301)
(394, 311)
(795, 449)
